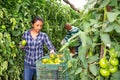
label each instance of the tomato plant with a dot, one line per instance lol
(14, 20)
(100, 29)
(99, 23)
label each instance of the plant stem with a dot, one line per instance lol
(105, 14)
(101, 52)
(104, 52)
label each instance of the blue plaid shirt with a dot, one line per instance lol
(34, 47)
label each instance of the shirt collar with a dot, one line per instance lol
(72, 28)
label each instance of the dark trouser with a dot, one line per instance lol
(29, 71)
(76, 51)
(77, 48)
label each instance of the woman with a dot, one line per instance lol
(34, 48)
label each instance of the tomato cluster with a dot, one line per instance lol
(109, 67)
(53, 59)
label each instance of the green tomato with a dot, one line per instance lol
(23, 43)
(112, 53)
(112, 50)
(3, 27)
(104, 72)
(103, 63)
(114, 61)
(113, 69)
(19, 1)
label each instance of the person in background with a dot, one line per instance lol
(35, 39)
(71, 30)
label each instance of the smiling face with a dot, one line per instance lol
(37, 25)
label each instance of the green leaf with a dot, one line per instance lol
(117, 27)
(105, 39)
(109, 28)
(112, 16)
(11, 61)
(104, 3)
(13, 21)
(93, 58)
(115, 76)
(81, 55)
(86, 26)
(97, 25)
(5, 11)
(82, 52)
(66, 54)
(74, 62)
(113, 3)
(96, 36)
(72, 72)
(1, 13)
(90, 4)
(83, 75)
(118, 20)
(11, 70)
(117, 49)
(93, 21)
(83, 38)
(79, 70)
(89, 41)
(93, 69)
(1, 36)
(5, 65)
(16, 33)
